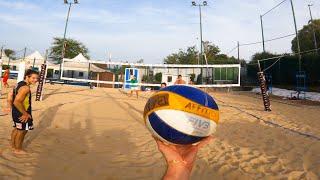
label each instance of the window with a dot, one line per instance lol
(169, 79)
(56, 72)
(14, 68)
(80, 74)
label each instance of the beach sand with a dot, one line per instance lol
(100, 134)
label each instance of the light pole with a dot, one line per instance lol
(312, 26)
(65, 33)
(295, 26)
(262, 32)
(261, 21)
(1, 51)
(204, 3)
(1, 61)
(297, 35)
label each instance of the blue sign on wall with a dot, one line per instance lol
(129, 74)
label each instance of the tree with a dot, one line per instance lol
(10, 53)
(260, 56)
(306, 37)
(141, 61)
(72, 49)
(212, 51)
(192, 77)
(158, 77)
(148, 79)
(192, 55)
(252, 67)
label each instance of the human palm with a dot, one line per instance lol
(184, 155)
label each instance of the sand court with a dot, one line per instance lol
(82, 133)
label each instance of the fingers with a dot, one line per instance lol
(160, 144)
(23, 119)
(165, 148)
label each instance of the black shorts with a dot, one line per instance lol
(23, 126)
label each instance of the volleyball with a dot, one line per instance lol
(181, 115)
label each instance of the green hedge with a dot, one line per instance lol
(284, 72)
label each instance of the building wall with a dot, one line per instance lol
(104, 76)
(178, 71)
(75, 74)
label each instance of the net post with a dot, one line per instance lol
(239, 76)
(62, 69)
(263, 87)
(42, 81)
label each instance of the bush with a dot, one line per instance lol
(158, 77)
(284, 72)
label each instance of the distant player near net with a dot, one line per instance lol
(134, 86)
(5, 76)
(163, 85)
(180, 81)
(22, 111)
(191, 81)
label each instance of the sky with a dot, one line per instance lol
(131, 30)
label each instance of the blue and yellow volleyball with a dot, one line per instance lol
(181, 115)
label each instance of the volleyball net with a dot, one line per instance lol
(116, 74)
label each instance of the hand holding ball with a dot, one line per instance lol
(181, 115)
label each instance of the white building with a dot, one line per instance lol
(34, 60)
(78, 68)
(4, 57)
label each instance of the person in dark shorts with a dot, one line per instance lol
(22, 111)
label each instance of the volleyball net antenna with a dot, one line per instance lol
(115, 74)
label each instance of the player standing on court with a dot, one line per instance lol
(21, 111)
(6, 75)
(179, 80)
(134, 86)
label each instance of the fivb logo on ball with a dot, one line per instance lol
(182, 109)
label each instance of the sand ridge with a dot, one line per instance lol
(84, 134)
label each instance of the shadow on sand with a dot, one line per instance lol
(56, 92)
(84, 152)
(45, 121)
